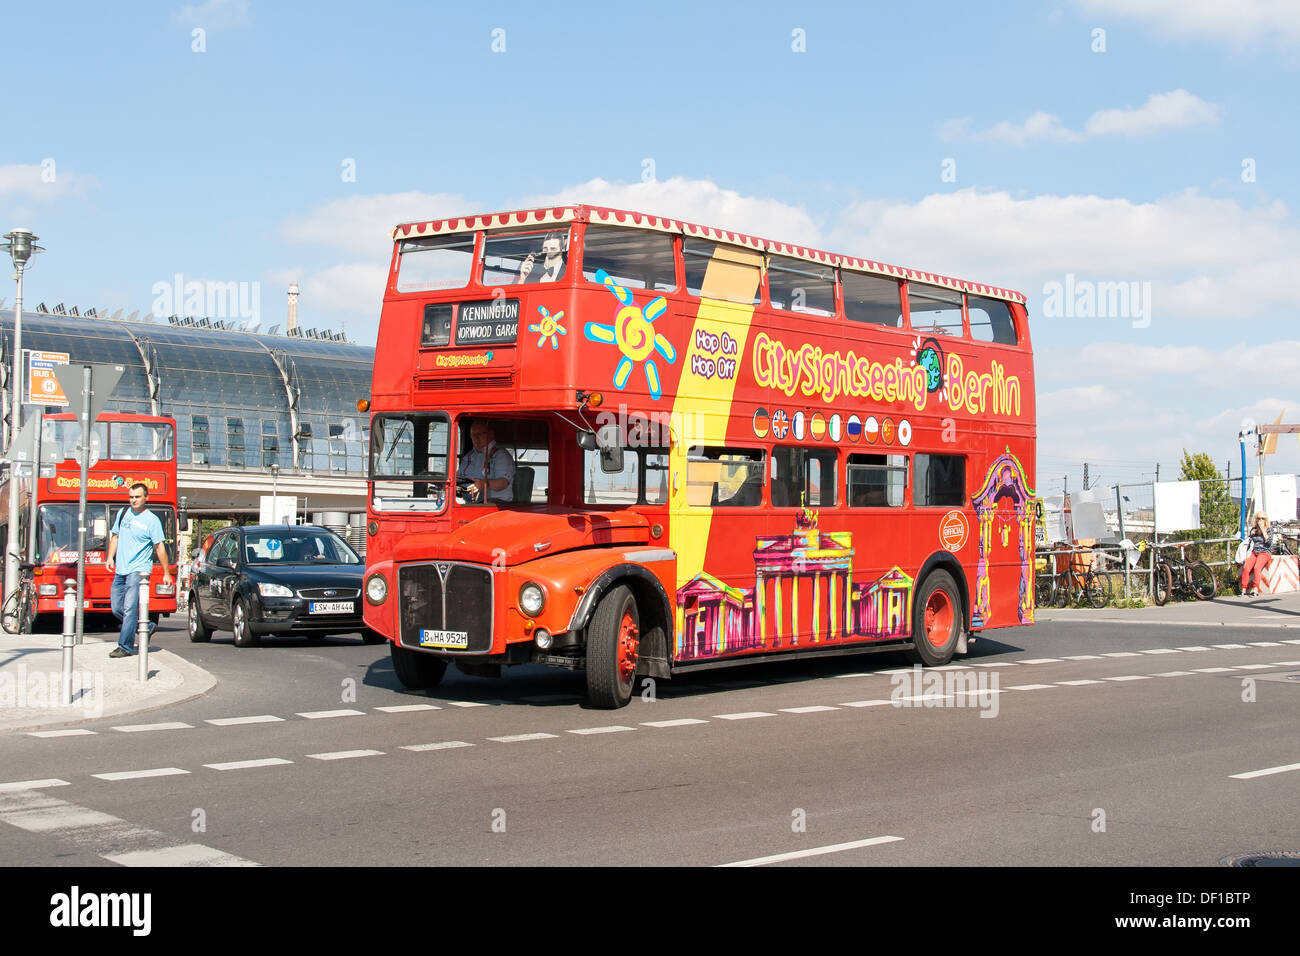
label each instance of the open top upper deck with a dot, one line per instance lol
(562, 215)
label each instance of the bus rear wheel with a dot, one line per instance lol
(415, 670)
(937, 619)
(613, 648)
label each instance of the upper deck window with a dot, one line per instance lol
(515, 257)
(801, 286)
(141, 441)
(934, 309)
(716, 271)
(633, 258)
(990, 320)
(438, 262)
(871, 299)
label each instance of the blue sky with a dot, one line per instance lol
(1109, 158)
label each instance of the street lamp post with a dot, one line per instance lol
(275, 483)
(22, 246)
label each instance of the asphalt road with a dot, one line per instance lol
(1066, 743)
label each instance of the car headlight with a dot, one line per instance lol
(273, 590)
(377, 589)
(532, 599)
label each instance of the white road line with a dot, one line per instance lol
(321, 714)
(1161, 650)
(247, 764)
(746, 715)
(920, 697)
(1213, 670)
(680, 722)
(899, 670)
(1130, 677)
(442, 745)
(1253, 667)
(141, 728)
(1229, 647)
(140, 774)
(862, 674)
(864, 703)
(232, 721)
(520, 738)
(1196, 648)
(1291, 640)
(189, 854)
(33, 784)
(346, 754)
(59, 815)
(816, 851)
(1266, 772)
(1042, 660)
(465, 703)
(1287, 664)
(1177, 674)
(1265, 644)
(74, 732)
(1121, 654)
(998, 664)
(613, 729)
(1076, 683)
(1031, 687)
(815, 709)
(1084, 657)
(407, 708)
(951, 667)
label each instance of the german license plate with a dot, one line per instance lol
(444, 638)
(329, 607)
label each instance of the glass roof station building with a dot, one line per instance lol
(242, 401)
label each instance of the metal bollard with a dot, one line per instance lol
(69, 637)
(142, 630)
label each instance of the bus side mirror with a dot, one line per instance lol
(183, 517)
(610, 442)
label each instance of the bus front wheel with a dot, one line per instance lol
(937, 619)
(415, 670)
(613, 647)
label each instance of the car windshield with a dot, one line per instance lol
(297, 547)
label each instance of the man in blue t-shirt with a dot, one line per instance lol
(137, 536)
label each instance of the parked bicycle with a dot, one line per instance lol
(1076, 584)
(20, 609)
(1179, 576)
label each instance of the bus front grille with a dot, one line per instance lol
(449, 597)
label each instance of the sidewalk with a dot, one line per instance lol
(31, 687)
(1268, 610)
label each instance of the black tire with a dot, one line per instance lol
(1203, 584)
(370, 636)
(200, 633)
(1061, 590)
(613, 648)
(244, 636)
(1096, 590)
(933, 648)
(1044, 590)
(1162, 584)
(417, 671)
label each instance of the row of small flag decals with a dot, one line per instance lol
(834, 428)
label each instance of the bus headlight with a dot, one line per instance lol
(376, 589)
(49, 590)
(532, 599)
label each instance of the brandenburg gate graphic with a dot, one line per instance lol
(720, 619)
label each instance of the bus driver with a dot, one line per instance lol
(487, 465)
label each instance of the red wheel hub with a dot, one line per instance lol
(629, 642)
(938, 618)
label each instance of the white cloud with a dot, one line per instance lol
(1240, 22)
(694, 200)
(215, 14)
(361, 224)
(1172, 110)
(42, 180)
(1161, 111)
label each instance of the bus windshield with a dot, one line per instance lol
(56, 537)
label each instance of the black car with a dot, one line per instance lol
(277, 579)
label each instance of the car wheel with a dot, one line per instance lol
(370, 636)
(244, 636)
(937, 620)
(199, 632)
(613, 647)
(415, 670)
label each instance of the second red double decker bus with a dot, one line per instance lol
(633, 445)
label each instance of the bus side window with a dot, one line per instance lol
(803, 477)
(877, 481)
(724, 477)
(990, 320)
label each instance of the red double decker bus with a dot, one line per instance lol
(610, 441)
(125, 449)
